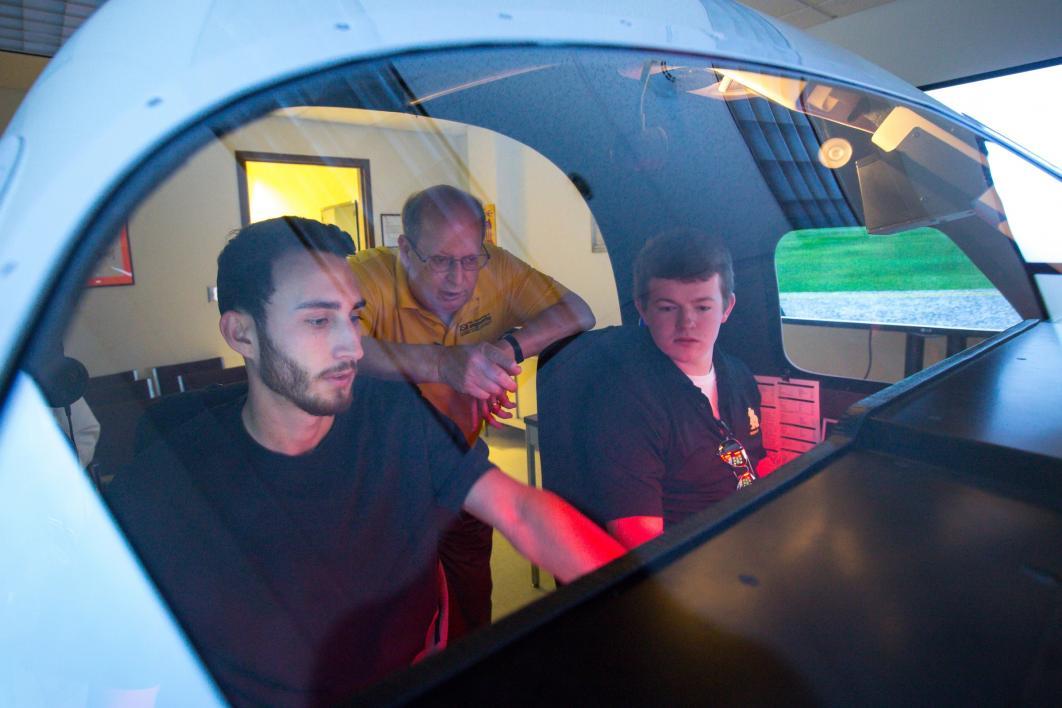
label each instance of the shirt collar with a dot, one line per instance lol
(670, 369)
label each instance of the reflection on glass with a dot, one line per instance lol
(581, 155)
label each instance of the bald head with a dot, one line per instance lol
(428, 209)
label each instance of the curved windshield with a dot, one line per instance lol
(334, 356)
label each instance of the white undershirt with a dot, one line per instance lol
(709, 388)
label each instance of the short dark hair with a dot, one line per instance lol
(686, 255)
(442, 200)
(245, 265)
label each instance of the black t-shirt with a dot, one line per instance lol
(301, 579)
(624, 432)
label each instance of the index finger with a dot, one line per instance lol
(501, 378)
(506, 362)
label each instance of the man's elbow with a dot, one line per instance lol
(587, 320)
(581, 313)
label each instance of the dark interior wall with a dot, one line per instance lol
(647, 155)
(646, 166)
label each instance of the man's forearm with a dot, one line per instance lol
(392, 360)
(557, 537)
(569, 316)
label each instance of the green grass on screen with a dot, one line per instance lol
(849, 259)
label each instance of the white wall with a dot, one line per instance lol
(542, 218)
(176, 235)
(930, 41)
(401, 160)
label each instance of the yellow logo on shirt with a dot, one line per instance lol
(754, 423)
(475, 325)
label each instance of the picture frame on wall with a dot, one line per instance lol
(115, 267)
(390, 229)
(597, 241)
(490, 218)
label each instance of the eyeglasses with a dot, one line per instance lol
(443, 264)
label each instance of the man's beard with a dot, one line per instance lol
(285, 377)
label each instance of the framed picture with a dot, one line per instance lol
(597, 241)
(390, 228)
(115, 267)
(490, 216)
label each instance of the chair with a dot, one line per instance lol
(192, 380)
(531, 431)
(568, 371)
(114, 388)
(166, 376)
(118, 425)
(169, 412)
(122, 377)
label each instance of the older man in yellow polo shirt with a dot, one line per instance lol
(457, 316)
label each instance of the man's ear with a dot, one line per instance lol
(403, 249)
(238, 330)
(638, 307)
(729, 307)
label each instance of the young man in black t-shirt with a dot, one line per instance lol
(654, 402)
(294, 531)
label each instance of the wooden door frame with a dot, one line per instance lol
(245, 156)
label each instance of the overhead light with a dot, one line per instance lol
(835, 153)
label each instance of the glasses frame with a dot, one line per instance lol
(445, 263)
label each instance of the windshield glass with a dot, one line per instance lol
(327, 352)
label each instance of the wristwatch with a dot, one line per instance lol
(518, 353)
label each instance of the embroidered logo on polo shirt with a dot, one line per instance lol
(474, 326)
(754, 422)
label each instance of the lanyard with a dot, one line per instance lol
(732, 452)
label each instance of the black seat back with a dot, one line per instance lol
(170, 412)
(115, 388)
(119, 423)
(192, 380)
(166, 376)
(569, 374)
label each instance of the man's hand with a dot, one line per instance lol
(633, 531)
(484, 371)
(496, 407)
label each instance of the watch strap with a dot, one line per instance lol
(518, 353)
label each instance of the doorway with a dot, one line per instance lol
(334, 190)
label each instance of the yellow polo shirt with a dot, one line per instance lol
(508, 293)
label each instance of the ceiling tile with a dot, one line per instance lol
(41, 26)
(840, 8)
(805, 17)
(775, 8)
